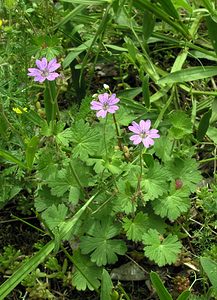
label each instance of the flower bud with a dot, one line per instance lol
(178, 184)
(106, 86)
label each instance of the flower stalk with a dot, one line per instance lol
(45, 72)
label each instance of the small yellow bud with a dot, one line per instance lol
(41, 112)
(38, 105)
(19, 111)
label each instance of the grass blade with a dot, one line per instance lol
(31, 149)
(9, 157)
(159, 286)
(33, 262)
(75, 52)
(24, 270)
(169, 8)
(204, 125)
(212, 31)
(69, 16)
(87, 2)
(190, 74)
(144, 4)
(184, 295)
(210, 267)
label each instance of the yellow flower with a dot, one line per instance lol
(19, 111)
(1, 23)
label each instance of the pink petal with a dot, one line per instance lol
(53, 65)
(136, 139)
(103, 98)
(153, 133)
(41, 64)
(135, 128)
(112, 109)
(145, 125)
(34, 72)
(102, 113)
(52, 76)
(147, 142)
(95, 105)
(113, 100)
(39, 78)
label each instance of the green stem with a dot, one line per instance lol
(29, 224)
(52, 107)
(161, 114)
(104, 136)
(78, 267)
(140, 175)
(9, 124)
(123, 291)
(207, 160)
(77, 178)
(138, 189)
(117, 133)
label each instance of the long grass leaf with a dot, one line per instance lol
(75, 52)
(145, 4)
(148, 24)
(70, 15)
(184, 295)
(31, 149)
(159, 286)
(169, 8)
(190, 74)
(210, 267)
(24, 270)
(33, 262)
(209, 6)
(87, 2)
(212, 31)
(106, 286)
(99, 34)
(204, 125)
(9, 157)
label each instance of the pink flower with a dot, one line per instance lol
(106, 104)
(143, 133)
(45, 70)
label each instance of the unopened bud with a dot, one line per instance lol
(178, 184)
(106, 86)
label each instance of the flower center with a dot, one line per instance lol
(143, 135)
(45, 72)
(105, 106)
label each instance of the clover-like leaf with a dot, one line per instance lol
(124, 201)
(100, 244)
(54, 216)
(163, 148)
(155, 182)
(136, 227)
(45, 199)
(172, 205)
(74, 175)
(159, 249)
(86, 274)
(181, 125)
(185, 170)
(85, 139)
(64, 137)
